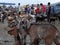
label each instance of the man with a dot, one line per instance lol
(48, 12)
(37, 11)
(32, 9)
(19, 8)
(3, 17)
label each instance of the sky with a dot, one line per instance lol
(24, 2)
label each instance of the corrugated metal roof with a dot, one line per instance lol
(7, 3)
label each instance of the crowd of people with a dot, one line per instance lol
(40, 11)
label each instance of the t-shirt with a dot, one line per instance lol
(37, 10)
(19, 9)
(49, 10)
(43, 8)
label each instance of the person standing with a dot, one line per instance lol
(19, 8)
(3, 17)
(37, 11)
(27, 9)
(32, 9)
(48, 12)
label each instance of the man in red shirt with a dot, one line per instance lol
(43, 9)
(37, 11)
